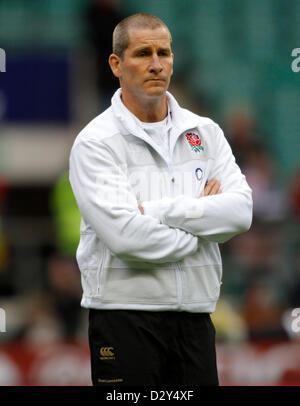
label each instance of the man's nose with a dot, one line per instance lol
(155, 65)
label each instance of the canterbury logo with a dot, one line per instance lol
(107, 353)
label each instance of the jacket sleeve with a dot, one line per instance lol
(215, 218)
(108, 204)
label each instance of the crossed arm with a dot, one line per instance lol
(213, 187)
(109, 207)
(171, 228)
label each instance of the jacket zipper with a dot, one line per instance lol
(179, 283)
(100, 273)
(178, 268)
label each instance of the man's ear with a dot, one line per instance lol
(172, 55)
(114, 63)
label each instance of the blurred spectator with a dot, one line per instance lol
(65, 293)
(295, 195)
(102, 17)
(41, 324)
(294, 291)
(291, 317)
(243, 136)
(262, 312)
(3, 192)
(230, 326)
(259, 167)
(269, 202)
(62, 273)
(66, 216)
(4, 249)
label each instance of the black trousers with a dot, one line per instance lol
(131, 347)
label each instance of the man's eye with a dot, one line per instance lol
(164, 53)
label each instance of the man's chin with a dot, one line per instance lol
(155, 91)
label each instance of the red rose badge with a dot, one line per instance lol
(194, 141)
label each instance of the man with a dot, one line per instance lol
(158, 188)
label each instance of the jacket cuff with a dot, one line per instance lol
(175, 212)
(151, 208)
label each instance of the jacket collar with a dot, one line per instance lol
(128, 125)
(181, 120)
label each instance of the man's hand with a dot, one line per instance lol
(141, 208)
(212, 188)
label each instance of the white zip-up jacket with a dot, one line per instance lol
(168, 258)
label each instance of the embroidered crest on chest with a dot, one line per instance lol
(194, 141)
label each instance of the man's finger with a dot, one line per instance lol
(212, 188)
(209, 186)
(215, 189)
(141, 208)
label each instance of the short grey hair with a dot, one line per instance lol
(120, 40)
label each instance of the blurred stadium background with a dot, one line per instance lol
(233, 64)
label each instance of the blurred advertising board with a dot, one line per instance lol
(68, 364)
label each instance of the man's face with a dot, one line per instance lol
(147, 64)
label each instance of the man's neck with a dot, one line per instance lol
(148, 110)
